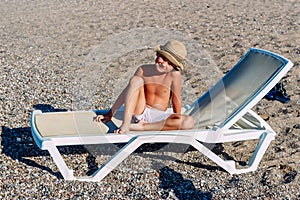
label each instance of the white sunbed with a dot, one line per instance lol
(223, 114)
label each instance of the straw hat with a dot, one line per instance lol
(174, 51)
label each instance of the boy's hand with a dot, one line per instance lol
(104, 118)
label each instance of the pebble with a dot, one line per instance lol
(44, 58)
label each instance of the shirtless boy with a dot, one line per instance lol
(147, 95)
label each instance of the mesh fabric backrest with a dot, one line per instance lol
(236, 89)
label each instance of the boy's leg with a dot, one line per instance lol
(134, 102)
(173, 122)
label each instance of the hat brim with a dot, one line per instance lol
(169, 57)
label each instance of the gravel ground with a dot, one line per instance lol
(78, 54)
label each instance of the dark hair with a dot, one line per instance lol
(177, 68)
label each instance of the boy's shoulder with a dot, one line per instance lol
(146, 66)
(175, 73)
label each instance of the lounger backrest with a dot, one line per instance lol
(240, 89)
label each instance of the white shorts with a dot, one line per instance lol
(151, 115)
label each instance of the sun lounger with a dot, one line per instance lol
(223, 114)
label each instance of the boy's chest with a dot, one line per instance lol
(158, 86)
(158, 81)
(156, 89)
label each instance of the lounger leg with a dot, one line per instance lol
(128, 149)
(114, 161)
(229, 165)
(59, 161)
(260, 150)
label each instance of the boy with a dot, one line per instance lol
(147, 95)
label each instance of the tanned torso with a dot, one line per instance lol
(157, 86)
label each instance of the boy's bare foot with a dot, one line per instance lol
(138, 126)
(134, 127)
(120, 131)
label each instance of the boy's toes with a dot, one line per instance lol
(119, 131)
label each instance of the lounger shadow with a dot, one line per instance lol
(223, 114)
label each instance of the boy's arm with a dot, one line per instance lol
(176, 90)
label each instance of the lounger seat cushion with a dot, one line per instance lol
(69, 124)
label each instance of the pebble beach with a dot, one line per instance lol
(78, 55)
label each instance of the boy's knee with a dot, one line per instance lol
(183, 122)
(136, 80)
(188, 122)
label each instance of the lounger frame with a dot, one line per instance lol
(240, 125)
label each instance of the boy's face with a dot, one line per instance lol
(163, 64)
